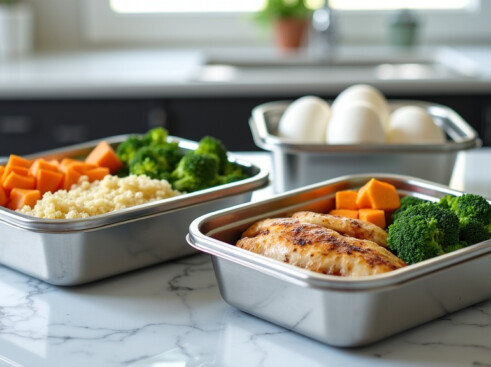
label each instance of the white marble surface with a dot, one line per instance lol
(173, 315)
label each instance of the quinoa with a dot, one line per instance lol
(86, 199)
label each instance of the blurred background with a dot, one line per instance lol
(72, 71)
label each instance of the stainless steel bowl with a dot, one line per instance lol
(296, 164)
(75, 251)
(339, 311)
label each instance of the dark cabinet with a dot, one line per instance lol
(29, 126)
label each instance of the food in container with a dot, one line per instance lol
(295, 164)
(335, 310)
(76, 251)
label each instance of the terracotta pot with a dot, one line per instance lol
(290, 32)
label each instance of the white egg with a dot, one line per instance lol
(364, 93)
(357, 123)
(305, 119)
(413, 125)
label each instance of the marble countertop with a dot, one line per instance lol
(147, 73)
(173, 315)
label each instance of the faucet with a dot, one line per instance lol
(325, 34)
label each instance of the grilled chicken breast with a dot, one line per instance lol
(317, 248)
(347, 226)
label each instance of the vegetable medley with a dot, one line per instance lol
(24, 182)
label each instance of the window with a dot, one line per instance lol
(228, 23)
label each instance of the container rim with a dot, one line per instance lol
(259, 179)
(306, 278)
(462, 134)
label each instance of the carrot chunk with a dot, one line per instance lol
(346, 199)
(375, 216)
(104, 155)
(23, 171)
(16, 180)
(376, 194)
(97, 173)
(82, 166)
(344, 213)
(40, 163)
(3, 197)
(20, 197)
(47, 180)
(15, 160)
(71, 177)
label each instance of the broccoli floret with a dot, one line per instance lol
(128, 148)
(415, 238)
(212, 146)
(156, 136)
(155, 161)
(406, 203)
(469, 207)
(233, 172)
(472, 231)
(446, 220)
(195, 172)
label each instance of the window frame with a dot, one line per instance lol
(102, 26)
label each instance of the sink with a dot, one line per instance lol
(358, 64)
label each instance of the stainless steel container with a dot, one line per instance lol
(296, 164)
(339, 311)
(75, 251)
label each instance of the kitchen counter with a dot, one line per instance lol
(177, 73)
(173, 315)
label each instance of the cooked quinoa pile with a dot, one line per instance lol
(87, 199)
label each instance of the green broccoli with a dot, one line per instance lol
(469, 207)
(156, 136)
(415, 238)
(214, 147)
(446, 220)
(127, 149)
(195, 172)
(406, 203)
(155, 161)
(472, 231)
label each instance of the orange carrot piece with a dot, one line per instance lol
(348, 213)
(15, 160)
(379, 195)
(65, 163)
(346, 199)
(104, 155)
(70, 178)
(16, 180)
(23, 171)
(3, 197)
(2, 170)
(375, 216)
(40, 163)
(20, 197)
(82, 166)
(97, 173)
(47, 180)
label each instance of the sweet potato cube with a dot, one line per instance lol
(40, 163)
(48, 180)
(377, 194)
(70, 178)
(20, 197)
(346, 199)
(97, 173)
(375, 216)
(104, 155)
(344, 213)
(3, 197)
(16, 180)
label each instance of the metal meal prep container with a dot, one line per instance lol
(296, 164)
(339, 311)
(76, 251)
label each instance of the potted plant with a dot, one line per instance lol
(15, 28)
(289, 19)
